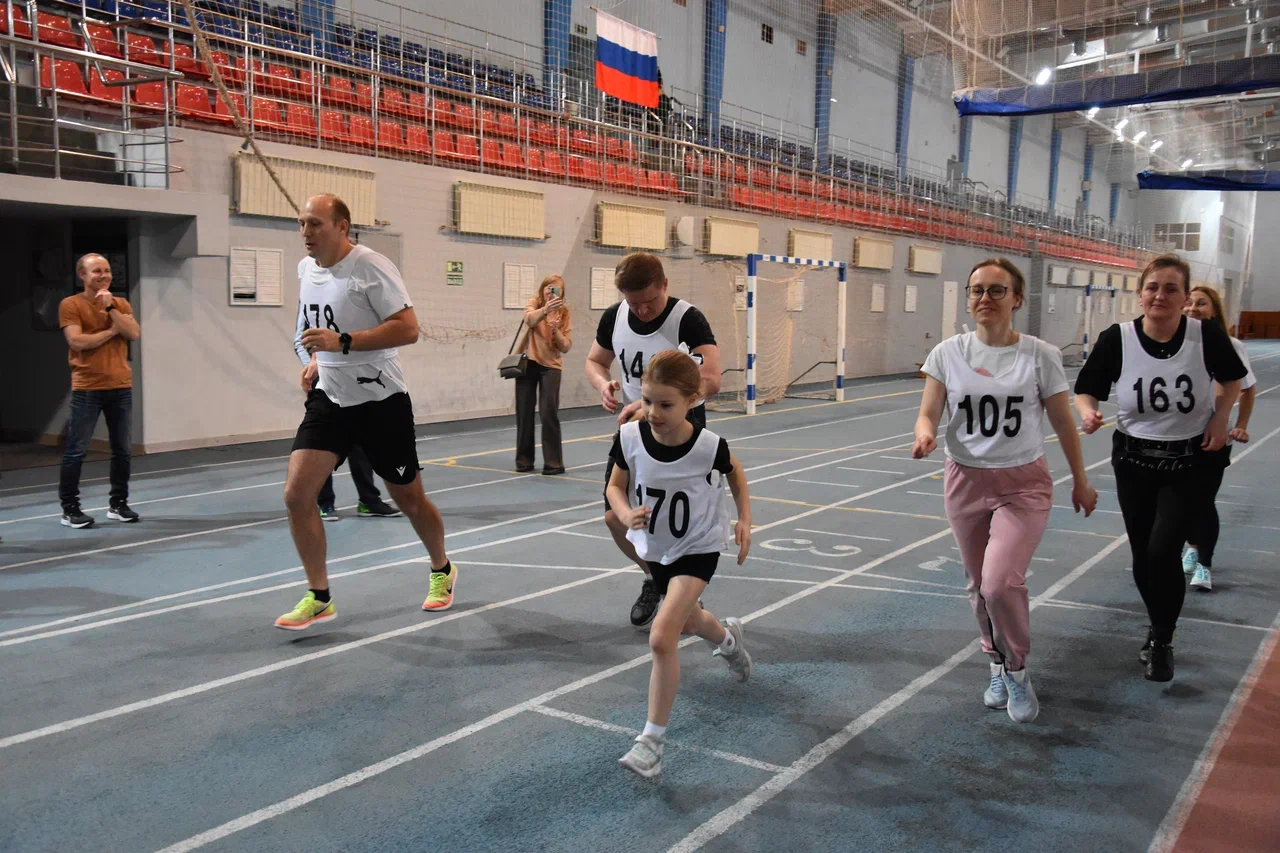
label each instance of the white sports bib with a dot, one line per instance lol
(996, 421)
(634, 351)
(1164, 399)
(686, 499)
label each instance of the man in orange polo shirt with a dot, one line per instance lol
(97, 326)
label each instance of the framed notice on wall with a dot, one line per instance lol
(877, 298)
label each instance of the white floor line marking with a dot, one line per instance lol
(292, 803)
(822, 483)
(592, 723)
(205, 687)
(870, 470)
(901, 591)
(249, 593)
(586, 535)
(751, 557)
(555, 568)
(846, 447)
(912, 461)
(1081, 605)
(845, 535)
(1176, 819)
(212, 531)
(280, 572)
(913, 580)
(726, 819)
(162, 500)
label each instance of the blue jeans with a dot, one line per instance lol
(117, 405)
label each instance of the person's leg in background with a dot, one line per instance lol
(371, 503)
(117, 405)
(1205, 525)
(85, 406)
(549, 409)
(526, 398)
(327, 500)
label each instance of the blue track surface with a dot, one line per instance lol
(148, 701)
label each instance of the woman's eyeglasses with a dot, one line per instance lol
(995, 291)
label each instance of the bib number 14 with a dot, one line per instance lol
(988, 415)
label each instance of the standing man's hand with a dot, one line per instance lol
(309, 375)
(321, 340)
(104, 299)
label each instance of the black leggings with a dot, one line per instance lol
(1158, 508)
(1204, 528)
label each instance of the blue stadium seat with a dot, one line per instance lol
(436, 58)
(367, 40)
(415, 52)
(415, 71)
(391, 46)
(342, 34)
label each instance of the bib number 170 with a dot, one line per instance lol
(988, 415)
(677, 514)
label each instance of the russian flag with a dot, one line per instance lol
(626, 61)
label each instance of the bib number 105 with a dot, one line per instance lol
(988, 415)
(1159, 400)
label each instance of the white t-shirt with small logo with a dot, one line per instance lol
(358, 293)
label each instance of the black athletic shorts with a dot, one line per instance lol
(697, 417)
(700, 566)
(383, 429)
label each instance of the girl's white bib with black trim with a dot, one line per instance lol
(1164, 399)
(996, 421)
(634, 350)
(685, 498)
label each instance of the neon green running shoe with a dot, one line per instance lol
(442, 585)
(307, 613)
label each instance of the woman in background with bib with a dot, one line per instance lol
(1168, 434)
(999, 386)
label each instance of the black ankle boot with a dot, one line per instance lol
(1160, 666)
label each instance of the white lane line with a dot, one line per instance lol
(592, 723)
(844, 535)
(912, 461)
(823, 483)
(869, 470)
(726, 819)
(1081, 605)
(900, 591)
(257, 672)
(162, 500)
(586, 535)
(356, 777)
(214, 530)
(249, 593)
(1176, 819)
(118, 608)
(281, 572)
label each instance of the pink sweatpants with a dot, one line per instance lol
(998, 516)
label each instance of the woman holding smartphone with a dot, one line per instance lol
(547, 317)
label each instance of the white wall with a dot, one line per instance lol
(864, 84)
(1070, 170)
(772, 79)
(1033, 160)
(989, 153)
(513, 28)
(935, 124)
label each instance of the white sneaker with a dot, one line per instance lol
(997, 695)
(1190, 559)
(740, 661)
(1201, 579)
(1023, 705)
(645, 757)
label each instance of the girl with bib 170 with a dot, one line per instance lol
(667, 487)
(999, 386)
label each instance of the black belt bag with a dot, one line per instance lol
(1153, 449)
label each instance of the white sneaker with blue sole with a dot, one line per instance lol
(997, 695)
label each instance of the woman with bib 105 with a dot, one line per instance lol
(1169, 430)
(999, 386)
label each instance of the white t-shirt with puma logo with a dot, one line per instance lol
(357, 293)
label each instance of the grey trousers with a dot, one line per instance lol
(540, 385)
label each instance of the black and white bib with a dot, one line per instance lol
(995, 420)
(1164, 399)
(686, 499)
(634, 350)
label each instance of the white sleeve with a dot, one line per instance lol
(1053, 376)
(1249, 379)
(935, 365)
(382, 285)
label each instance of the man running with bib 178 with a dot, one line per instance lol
(646, 322)
(359, 313)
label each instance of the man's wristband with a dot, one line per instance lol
(345, 340)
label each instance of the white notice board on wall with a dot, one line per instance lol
(877, 298)
(603, 293)
(912, 297)
(519, 284)
(1053, 302)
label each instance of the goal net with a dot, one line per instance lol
(788, 321)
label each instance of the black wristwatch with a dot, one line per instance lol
(345, 340)
(110, 308)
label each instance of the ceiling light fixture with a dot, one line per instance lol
(1186, 164)
(1137, 137)
(1043, 76)
(1155, 146)
(1093, 111)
